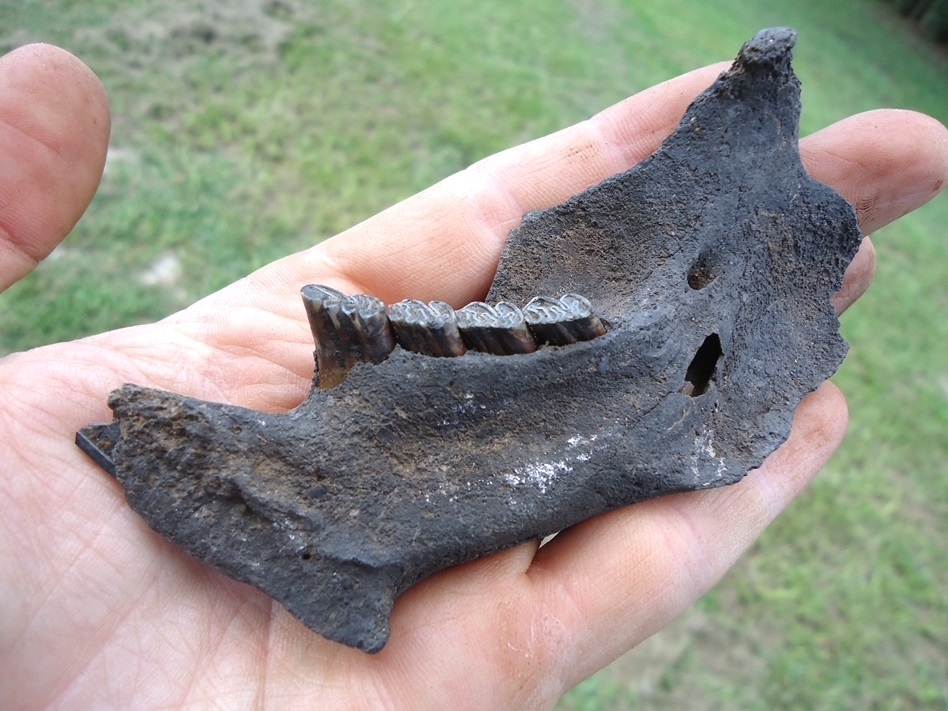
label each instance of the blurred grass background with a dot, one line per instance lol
(245, 131)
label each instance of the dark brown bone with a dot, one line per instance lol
(713, 262)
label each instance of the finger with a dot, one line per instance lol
(54, 131)
(857, 278)
(617, 579)
(886, 162)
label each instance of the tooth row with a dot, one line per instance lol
(359, 329)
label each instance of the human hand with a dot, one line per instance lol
(99, 610)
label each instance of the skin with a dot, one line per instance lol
(98, 611)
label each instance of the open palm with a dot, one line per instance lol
(96, 610)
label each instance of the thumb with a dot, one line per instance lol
(54, 132)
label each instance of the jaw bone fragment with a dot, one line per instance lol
(711, 262)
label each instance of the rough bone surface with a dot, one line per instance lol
(712, 263)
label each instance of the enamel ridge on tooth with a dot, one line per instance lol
(559, 322)
(430, 329)
(347, 330)
(499, 329)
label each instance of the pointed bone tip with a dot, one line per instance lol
(369, 634)
(767, 46)
(373, 644)
(121, 398)
(97, 442)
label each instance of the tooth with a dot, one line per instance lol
(430, 329)
(498, 329)
(559, 322)
(347, 330)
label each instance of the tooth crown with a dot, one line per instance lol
(430, 329)
(568, 319)
(352, 329)
(500, 329)
(478, 314)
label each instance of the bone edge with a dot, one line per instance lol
(97, 443)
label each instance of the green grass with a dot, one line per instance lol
(245, 131)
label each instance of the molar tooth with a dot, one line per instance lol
(430, 329)
(559, 322)
(498, 329)
(347, 330)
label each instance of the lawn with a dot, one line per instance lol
(245, 131)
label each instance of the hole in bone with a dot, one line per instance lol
(700, 371)
(701, 273)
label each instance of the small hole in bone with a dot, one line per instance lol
(701, 273)
(701, 370)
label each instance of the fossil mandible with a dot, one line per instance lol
(711, 262)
